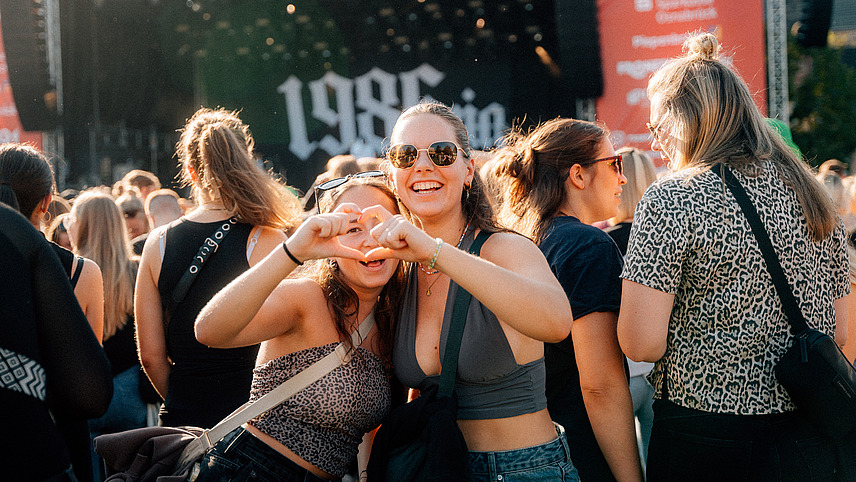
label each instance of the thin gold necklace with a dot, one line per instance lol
(435, 271)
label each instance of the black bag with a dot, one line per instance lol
(821, 382)
(148, 453)
(816, 374)
(420, 440)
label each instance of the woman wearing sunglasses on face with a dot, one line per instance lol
(517, 303)
(558, 180)
(299, 320)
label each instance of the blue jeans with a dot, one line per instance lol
(642, 394)
(689, 444)
(241, 456)
(126, 411)
(549, 461)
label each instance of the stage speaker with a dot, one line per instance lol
(24, 26)
(814, 27)
(579, 47)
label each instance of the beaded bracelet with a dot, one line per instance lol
(293, 258)
(436, 253)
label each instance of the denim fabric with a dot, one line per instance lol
(241, 456)
(126, 411)
(549, 461)
(689, 444)
(642, 394)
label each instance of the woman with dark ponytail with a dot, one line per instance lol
(557, 180)
(202, 385)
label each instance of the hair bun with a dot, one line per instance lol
(703, 46)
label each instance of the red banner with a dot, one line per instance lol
(10, 124)
(638, 36)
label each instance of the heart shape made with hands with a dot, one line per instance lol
(321, 236)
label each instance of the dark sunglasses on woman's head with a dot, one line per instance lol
(132, 213)
(334, 183)
(615, 161)
(403, 156)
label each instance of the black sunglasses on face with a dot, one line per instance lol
(403, 156)
(615, 161)
(334, 183)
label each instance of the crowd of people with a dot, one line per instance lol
(621, 327)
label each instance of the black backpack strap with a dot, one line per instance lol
(456, 328)
(77, 270)
(209, 247)
(789, 302)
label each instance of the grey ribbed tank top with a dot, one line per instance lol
(489, 383)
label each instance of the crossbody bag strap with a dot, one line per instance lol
(456, 328)
(287, 389)
(789, 302)
(209, 247)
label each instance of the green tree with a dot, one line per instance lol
(823, 95)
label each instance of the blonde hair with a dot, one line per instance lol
(640, 173)
(103, 238)
(218, 149)
(708, 110)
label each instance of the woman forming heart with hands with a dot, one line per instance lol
(517, 303)
(298, 320)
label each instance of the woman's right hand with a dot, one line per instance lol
(317, 236)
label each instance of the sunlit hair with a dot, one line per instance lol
(341, 298)
(640, 173)
(534, 167)
(218, 148)
(29, 175)
(103, 238)
(139, 179)
(708, 107)
(475, 202)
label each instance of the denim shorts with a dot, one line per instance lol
(549, 461)
(242, 456)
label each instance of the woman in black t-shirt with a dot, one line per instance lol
(558, 180)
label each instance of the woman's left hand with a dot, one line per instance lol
(397, 237)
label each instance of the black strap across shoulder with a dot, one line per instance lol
(456, 328)
(789, 302)
(75, 277)
(209, 247)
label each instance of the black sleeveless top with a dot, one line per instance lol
(205, 384)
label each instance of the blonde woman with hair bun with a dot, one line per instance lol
(697, 299)
(202, 385)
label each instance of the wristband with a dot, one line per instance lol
(436, 253)
(293, 258)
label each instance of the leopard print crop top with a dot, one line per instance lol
(325, 422)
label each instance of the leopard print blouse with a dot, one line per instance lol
(727, 328)
(324, 423)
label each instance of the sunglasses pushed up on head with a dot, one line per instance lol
(403, 156)
(334, 183)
